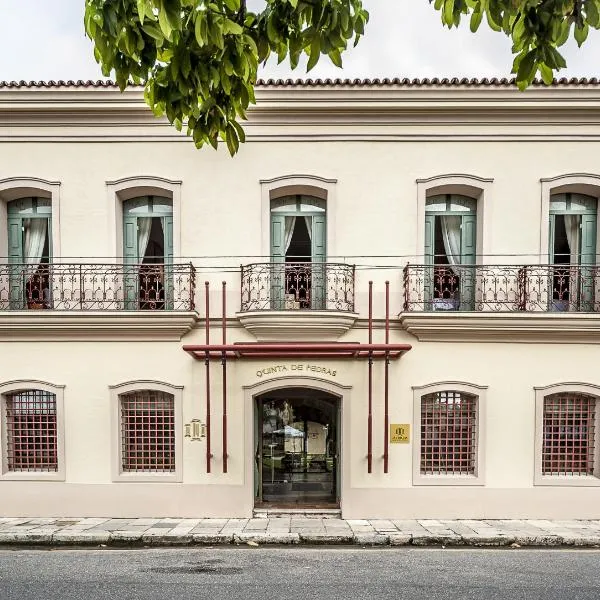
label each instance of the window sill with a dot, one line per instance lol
(567, 480)
(51, 325)
(581, 328)
(167, 477)
(447, 480)
(32, 476)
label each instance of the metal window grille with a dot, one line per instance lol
(569, 434)
(147, 432)
(448, 434)
(31, 443)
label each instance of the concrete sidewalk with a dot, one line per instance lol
(309, 530)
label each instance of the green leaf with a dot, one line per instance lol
(581, 34)
(141, 8)
(163, 22)
(314, 54)
(476, 18)
(527, 67)
(546, 73)
(172, 10)
(232, 27)
(335, 57)
(592, 13)
(199, 29)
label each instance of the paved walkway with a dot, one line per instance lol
(298, 530)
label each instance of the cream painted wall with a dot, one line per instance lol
(376, 223)
(509, 370)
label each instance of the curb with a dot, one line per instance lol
(136, 539)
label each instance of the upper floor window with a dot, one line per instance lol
(572, 244)
(450, 246)
(31, 431)
(298, 251)
(30, 252)
(148, 247)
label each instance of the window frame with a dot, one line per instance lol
(116, 391)
(478, 479)
(10, 387)
(565, 480)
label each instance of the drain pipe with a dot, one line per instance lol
(207, 363)
(370, 418)
(224, 363)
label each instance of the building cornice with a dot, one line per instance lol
(48, 326)
(309, 112)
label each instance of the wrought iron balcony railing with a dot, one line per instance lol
(83, 286)
(502, 288)
(297, 286)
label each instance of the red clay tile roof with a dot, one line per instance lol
(405, 82)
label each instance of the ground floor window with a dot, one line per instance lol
(31, 431)
(569, 434)
(448, 434)
(147, 432)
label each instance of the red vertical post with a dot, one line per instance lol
(386, 380)
(224, 363)
(370, 418)
(207, 363)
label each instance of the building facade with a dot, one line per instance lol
(401, 286)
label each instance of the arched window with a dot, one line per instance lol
(298, 251)
(31, 422)
(451, 247)
(148, 247)
(449, 424)
(572, 244)
(567, 421)
(147, 432)
(30, 252)
(448, 433)
(569, 427)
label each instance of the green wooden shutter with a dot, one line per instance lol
(588, 257)
(318, 290)
(167, 227)
(429, 258)
(468, 252)
(15, 258)
(277, 260)
(551, 237)
(130, 256)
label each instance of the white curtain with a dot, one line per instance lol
(144, 228)
(308, 221)
(290, 223)
(35, 240)
(451, 236)
(573, 232)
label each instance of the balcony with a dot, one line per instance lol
(534, 303)
(97, 287)
(299, 301)
(99, 301)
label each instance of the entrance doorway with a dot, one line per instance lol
(297, 449)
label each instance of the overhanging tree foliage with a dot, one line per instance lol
(536, 27)
(198, 59)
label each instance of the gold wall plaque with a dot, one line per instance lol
(399, 433)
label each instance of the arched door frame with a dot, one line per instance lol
(251, 393)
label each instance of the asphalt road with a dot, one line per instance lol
(298, 574)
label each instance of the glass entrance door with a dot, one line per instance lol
(297, 449)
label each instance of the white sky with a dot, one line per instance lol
(44, 39)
